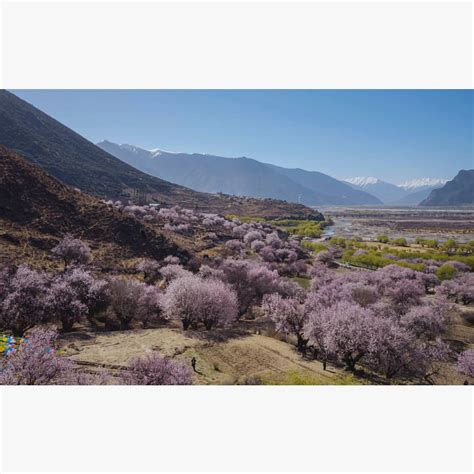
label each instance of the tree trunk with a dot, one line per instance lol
(67, 325)
(125, 324)
(208, 325)
(18, 331)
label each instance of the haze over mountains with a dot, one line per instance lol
(240, 176)
(409, 193)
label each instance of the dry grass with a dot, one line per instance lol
(239, 358)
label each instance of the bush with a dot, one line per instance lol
(36, 362)
(150, 269)
(156, 370)
(383, 239)
(72, 250)
(401, 242)
(445, 272)
(465, 363)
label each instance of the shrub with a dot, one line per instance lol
(401, 242)
(267, 253)
(72, 250)
(450, 245)
(445, 272)
(288, 315)
(383, 239)
(257, 245)
(235, 245)
(171, 260)
(172, 271)
(326, 257)
(156, 370)
(150, 269)
(273, 241)
(149, 305)
(36, 362)
(252, 236)
(465, 363)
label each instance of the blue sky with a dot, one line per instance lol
(393, 134)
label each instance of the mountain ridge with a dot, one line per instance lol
(241, 176)
(411, 192)
(458, 191)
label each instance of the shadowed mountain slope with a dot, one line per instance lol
(458, 191)
(33, 200)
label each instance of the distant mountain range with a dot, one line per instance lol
(204, 183)
(458, 191)
(408, 193)
(417, 184)
(240, 176)
(77, 162)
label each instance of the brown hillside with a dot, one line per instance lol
(32, 200)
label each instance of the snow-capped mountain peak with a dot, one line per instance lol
(362, 181)
(422, 182)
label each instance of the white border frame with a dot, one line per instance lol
(45, 427)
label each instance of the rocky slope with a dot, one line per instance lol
(33, 202)
(458, 191)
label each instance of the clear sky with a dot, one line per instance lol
(394, 135)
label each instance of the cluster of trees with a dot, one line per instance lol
(216, 296)
(32, 297)
(368, 257)
(256, 236)
(379, 320)
(459, 289)
(451, 246)
(286, 255)
(251, 280)
(400, 241)
(365, 255)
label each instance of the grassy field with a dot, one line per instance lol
(224, 356)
